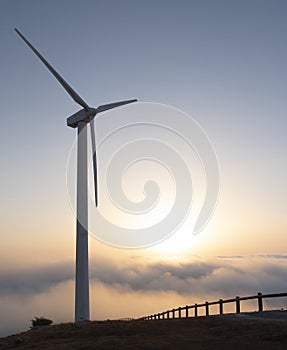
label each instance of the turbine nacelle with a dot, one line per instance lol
(82, 115)
(87, 113)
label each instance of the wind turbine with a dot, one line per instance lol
(80, 120)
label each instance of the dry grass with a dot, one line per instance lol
(253, 331)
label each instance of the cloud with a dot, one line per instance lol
(246, 275)
(274, 256)
(154, 276)
(224, 275)
(30, 281)
(263, 256)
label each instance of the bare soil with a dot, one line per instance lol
(265, 330)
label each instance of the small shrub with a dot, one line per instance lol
(41, 321)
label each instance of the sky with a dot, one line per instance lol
(221, 62)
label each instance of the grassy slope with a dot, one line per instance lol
(213, 332)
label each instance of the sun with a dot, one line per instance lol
(176, 246)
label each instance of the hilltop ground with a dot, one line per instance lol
(265, 330)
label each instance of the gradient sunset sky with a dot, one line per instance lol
(221, 62)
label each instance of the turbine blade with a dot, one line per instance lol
(93, 138)
(65, 85)
(108, 106)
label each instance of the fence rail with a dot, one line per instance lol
(178, 313)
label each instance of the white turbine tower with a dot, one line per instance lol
(80, 120)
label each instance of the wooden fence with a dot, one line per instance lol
(183, 312)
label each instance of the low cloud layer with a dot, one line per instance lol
(32, 281)
(226, 275)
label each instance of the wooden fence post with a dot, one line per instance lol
(237, 305)
(173, 313)
(179, 312)
(260, 302)
(167, 314)
(195, 310)
(206, 308)
(186, 311)
(220, 306)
